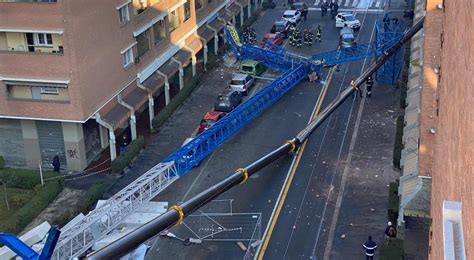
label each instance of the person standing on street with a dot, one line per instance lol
(56, 164)
(318, 34)
(369, 247)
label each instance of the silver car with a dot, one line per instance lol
(242, 83)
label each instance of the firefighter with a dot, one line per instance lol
(369, 83)
(306, 37)
(299, 39)
(370, 247)
(310, 35)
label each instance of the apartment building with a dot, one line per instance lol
(74, 74)
(438, 156)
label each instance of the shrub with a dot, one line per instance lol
(43, 196)
(2, 162)
(125, 158)
(94, 193)
(20, 199)
(23, 178)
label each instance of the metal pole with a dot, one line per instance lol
(41, 174)
(176, 214)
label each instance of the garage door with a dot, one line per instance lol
(51, 142)
(11, 142)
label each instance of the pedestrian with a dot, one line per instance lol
(123, 144)
(369, 83)
(390, 231)
(370, 247)
(305, 13)
(356, 89)
(56, 164)
(318, 34)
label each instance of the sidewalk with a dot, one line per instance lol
(364, 205)
(181, 125)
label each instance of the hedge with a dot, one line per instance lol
(94, 193)
(124, 159)
(2, 162)
(393, 202)
(398, 146)
(23, 178)
(43, 196)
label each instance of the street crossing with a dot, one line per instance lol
(359, 4)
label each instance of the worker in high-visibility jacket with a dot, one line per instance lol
(370, 247)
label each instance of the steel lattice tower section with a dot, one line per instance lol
(388, 30)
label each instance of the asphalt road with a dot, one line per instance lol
(302, 226)
(306, 200)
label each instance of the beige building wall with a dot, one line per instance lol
(74, 146)
(31, 144)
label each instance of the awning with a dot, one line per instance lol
(234, 8)
(183, 56)
(154, 83)
(205, 33)
(216, 25)
(117, 116)
(169, 68)
(225, 15)
(244, 3)
(136, 98)
(194, 43)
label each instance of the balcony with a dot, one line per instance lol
(28, 42)
(34, 65)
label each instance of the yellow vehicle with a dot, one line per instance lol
(252, 67)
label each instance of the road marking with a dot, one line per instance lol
(294, 165)
(197, 177)
(337, 208)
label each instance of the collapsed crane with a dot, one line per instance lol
(176, 213)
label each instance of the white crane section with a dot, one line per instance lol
(80, 234)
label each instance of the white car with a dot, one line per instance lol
(292, 16)
(347, 19)
(242, 83)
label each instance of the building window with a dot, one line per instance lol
(127, 57)
(37, 91)
(46, 90)
(173, 20)
(159, 32)
(199, 4)
(40, 39)
(124, 16)
(187, 10)
(143, 43)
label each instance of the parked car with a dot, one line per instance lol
(273, 38)
(252, 67)
(347, 19)
(347, 38)
(209, 119)
(292, 16)
(241, 83)
(227, 101)
(300, 6)
(281, 27)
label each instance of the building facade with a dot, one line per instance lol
(73, 75)
(438, 156)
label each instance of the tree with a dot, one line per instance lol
(4, 181)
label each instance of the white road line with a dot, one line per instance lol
(355, 3)
(316, 2)
(377, 5)
(197, 177)
(340, 2)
